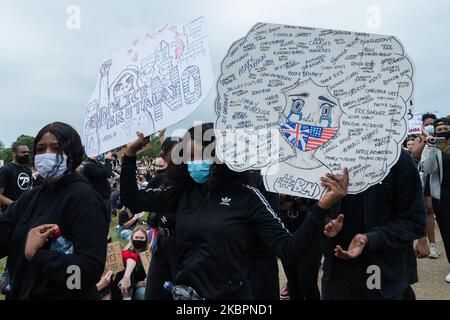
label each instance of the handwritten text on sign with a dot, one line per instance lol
(299, 102)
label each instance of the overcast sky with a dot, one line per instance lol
(48, 72)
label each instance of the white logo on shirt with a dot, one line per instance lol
(226, 201)
(23, 181)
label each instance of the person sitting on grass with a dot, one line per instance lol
(130, 283)
(127, 222)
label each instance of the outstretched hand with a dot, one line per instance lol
(334, 226)
(355, 248)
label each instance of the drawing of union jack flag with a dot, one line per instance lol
(296, 133)
(306, 137)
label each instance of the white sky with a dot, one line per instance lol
(49, 72)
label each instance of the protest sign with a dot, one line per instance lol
(299, 102)
(154, 82)
(114, 262)
(415, 124)
(146, 258)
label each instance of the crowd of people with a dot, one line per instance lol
(212, 231)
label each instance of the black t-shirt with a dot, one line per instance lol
(15, 180)
(445, 185)
(124, 218)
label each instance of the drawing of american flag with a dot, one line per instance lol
(318, 136)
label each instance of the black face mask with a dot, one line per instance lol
(444, 134)
(161, 171)
(23, 159)
(139, 244)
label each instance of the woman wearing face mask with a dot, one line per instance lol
(436, 162)
(215, 212)
(132, 281)
(65, 204)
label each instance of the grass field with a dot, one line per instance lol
(2, 267)
(112, 232)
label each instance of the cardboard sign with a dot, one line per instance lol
(114, 262)
(146, 258)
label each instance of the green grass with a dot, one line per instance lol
(112, 233)
(2, 267)
(2, 264)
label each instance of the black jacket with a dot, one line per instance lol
(212, 230)
(256, 248)
(74, 206)
(394, 216)
(165, 221)
(97, 174)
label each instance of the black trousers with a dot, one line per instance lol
(350, 283)
(442, 211)
(162, 268)
(263, 277)
(302, 279)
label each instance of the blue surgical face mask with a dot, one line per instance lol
(46, 165)
(430, 129)
(200, 170)
(101, 157)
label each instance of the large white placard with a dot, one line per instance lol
(298, 102)
(154, 82)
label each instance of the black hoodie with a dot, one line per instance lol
(393, 216)
(77, 209)
(98, 174)
(213, 230)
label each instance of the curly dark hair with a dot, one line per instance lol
(443, 120)
(428, 116)
(177, 174)
(69, 141)
(15, 146)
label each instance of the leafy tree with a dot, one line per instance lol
(6, 155)
(152, 150)
(28, 140)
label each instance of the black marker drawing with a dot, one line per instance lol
(155, 82)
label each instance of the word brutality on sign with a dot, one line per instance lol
(149, 85)
(299, 102)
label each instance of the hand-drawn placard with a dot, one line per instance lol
(114, 262)
(415, 124)
(149, 85)
(298, 102)
(146, 258)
